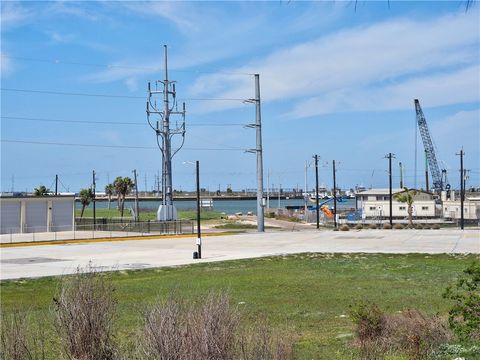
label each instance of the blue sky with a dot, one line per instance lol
(335, 81)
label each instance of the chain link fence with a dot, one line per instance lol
(86, 229)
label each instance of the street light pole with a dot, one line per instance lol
(199, 235)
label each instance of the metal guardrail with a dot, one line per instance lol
(98, 231)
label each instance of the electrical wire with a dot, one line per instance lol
(50, 92)
(109, 146)
(106, 122)
(110, 66)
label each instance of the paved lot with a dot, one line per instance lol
(44, 260)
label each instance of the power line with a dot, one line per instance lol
(50, 92)
(73, 93)
(110, 66)
(109, 146)
(106, 122)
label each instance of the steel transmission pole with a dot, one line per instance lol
(259, 151)
(167, 210)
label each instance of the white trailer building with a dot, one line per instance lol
(36, 214)
(375, 203)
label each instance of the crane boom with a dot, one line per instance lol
(429, 148)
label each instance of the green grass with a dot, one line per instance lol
(149, 215)
(307, 294)
(237, 225)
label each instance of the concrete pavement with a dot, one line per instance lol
(46, 260)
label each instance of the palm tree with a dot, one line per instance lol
(86, 196)
(109, 190)
(123, 186)
(407, 196)
(41, 191)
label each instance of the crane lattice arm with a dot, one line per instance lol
(429, 148)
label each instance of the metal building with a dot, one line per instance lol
(36, 214)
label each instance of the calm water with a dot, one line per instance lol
(226, 206)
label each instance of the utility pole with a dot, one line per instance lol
(316, 191)
(462, 189)
(268, 189)
(56, 185)
(426, 171)
(259, 151)
(94, 195)
(199, 235)
(390, 156)
(137, 215)
(279, 191)
(305, 194)
(334, 195)
(166, 210)
(401, 175)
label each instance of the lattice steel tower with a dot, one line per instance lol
(158, 118)
(438, 184)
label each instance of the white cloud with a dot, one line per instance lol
(350, 62)
(449, 88)
(132, 84)
(6, 65)
(13, 14)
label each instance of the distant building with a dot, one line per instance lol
(471, 208)
(36, 213)
(375, 203)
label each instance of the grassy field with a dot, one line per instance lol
(308, 294)
(149, 215)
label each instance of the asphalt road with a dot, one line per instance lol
(46, 260)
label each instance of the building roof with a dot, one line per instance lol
(379, 191)
(382, 191)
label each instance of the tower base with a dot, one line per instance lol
(166, 213)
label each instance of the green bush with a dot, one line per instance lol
(387, 226)
(435, 226)
(464, 317)
(372, 226)
(344, 227)
(359, 227)
(398, 226)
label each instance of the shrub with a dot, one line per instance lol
(372, 226)
(344, 227)
(427, 226)
(378, 334)
(415, 333)
(418, 226)
(163, 331)
(211, 330)
(464, 317)
(387, 226)
(369, 323)
(435, 226)
(18, 340)
(84, 315)
(398, 226)
(359, 227)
